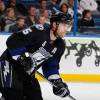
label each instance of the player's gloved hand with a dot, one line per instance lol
(61, 89)
(25, 61)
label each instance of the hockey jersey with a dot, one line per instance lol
(33, 39)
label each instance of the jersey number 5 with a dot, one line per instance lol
(27, 31)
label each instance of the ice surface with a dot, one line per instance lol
(81, 91)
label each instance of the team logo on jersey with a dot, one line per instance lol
(6, 74)
(39, 26)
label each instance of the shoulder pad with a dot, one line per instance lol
(39, 27)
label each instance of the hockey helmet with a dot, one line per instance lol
(61, 18)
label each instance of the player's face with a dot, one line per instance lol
(63, 28)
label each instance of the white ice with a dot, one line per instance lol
(81, 91)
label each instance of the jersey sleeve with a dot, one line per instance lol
(51, 67)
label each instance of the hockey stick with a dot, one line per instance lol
(38, 62)
(71, 97)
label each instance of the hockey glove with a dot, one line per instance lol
(61, 89)
(25, 61)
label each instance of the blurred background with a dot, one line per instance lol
(18, 14)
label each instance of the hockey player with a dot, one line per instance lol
(25, 50)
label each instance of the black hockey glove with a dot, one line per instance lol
(25, 61)
(61, 89)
